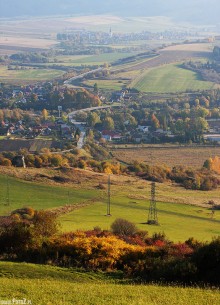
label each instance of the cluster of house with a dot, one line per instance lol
(20, 129)
(119, 96)
(214, 130)
(83, 36)
(142, 134)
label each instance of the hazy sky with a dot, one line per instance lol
(203, 11)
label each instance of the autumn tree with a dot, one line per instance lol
(44, 114)
(155, 122)
(92, 119)
(108, 123)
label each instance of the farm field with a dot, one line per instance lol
(171, 156)
(163, 73)
(170, 78)
(28, 75)
(108, 84)
(44, 285)
(180, 211)
(90, 60)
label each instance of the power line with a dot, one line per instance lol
(152, 215)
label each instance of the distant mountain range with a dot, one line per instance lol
(196, 11)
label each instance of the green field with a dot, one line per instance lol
(170, 78)
(129, 200)
(39, 196)
(46, 285)
(93, 59)
(28, 75)
(109, 84)
(178, 221)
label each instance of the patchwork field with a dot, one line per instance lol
(162, 73)
(44, 285)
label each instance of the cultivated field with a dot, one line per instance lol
(44, 285)
(168, 155)
(90, 60)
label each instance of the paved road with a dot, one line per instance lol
(81, 125)
(71, 114)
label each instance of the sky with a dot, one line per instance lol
(198, 11)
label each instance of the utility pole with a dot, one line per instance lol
(109, 197)
(23, 161)
(152, 216)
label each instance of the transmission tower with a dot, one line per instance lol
(152, 216)
(109, 197)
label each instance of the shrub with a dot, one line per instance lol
(123, 227)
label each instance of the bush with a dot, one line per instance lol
(123, 227)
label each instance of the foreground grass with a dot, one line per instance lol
(45, 285)
(170, 78)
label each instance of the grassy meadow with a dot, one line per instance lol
(47, 285)
(170, 78)
(28, 75)
(181, 213)
(109, 84)
(38, 195)
(178, 221)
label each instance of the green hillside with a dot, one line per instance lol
(179, 221)
(170, 78)
(44, 285)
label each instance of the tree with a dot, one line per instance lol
(44, 224)
(108, 123)
(179, 127)
(155, 121)
(93, 119)
(95, 88)
(44, 114)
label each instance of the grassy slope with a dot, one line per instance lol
(45, 285)
(39, 196)
(178, 221)
(129, 199)
(170, 78)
